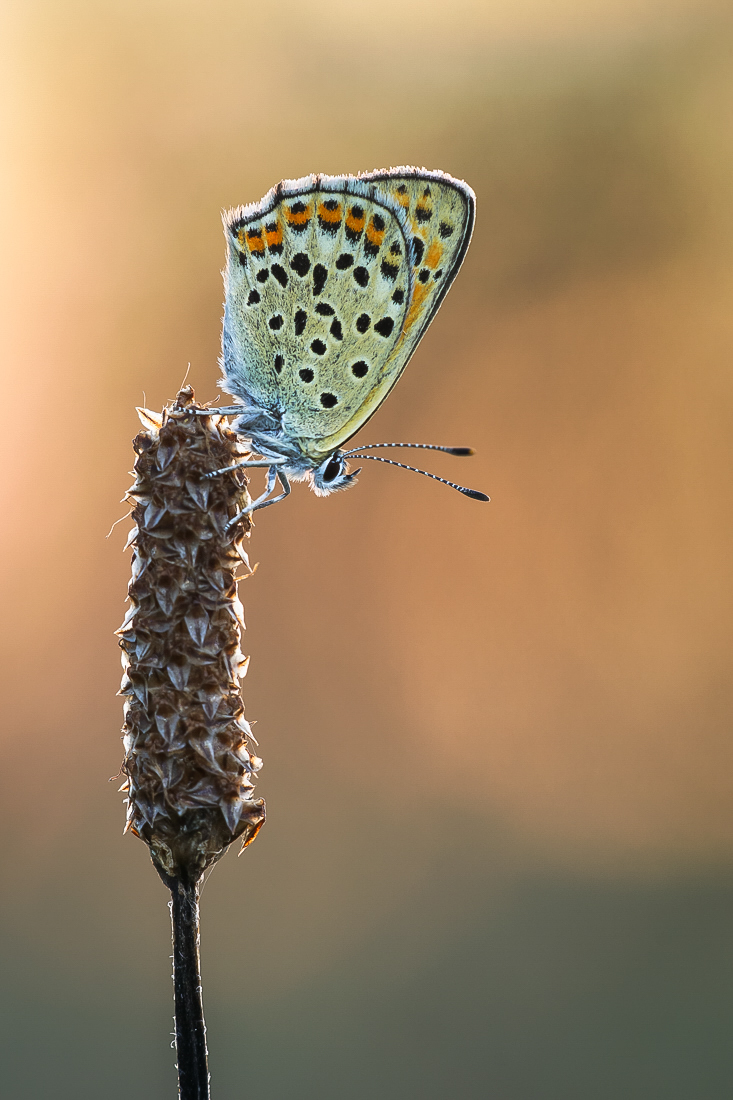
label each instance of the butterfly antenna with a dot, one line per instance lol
(416, 446)
(474, 493)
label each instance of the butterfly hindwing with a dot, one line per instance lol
(440, 212)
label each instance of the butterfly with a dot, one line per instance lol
(330, 283)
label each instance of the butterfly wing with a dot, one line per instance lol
(318, 288)
(440, 211)
(330, 284)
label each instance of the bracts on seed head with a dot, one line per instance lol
(189, 763)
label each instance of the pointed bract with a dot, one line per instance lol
(188, 763)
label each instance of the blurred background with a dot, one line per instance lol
(498, 766)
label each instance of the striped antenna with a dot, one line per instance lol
(474, 493)
(417, 446)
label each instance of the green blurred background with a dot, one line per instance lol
(499, 856)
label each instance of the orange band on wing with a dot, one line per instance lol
(353, 223)
(433, 255)
(254, 240)
(274, 236)
(302, 217)
(420, 293)
(331, 216)
(374, 236)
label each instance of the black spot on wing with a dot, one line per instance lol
(253, 298)
(384, 327)
(320, 274)
(276, 322)
(301, 318)
(280, 274)
(318, 347)
(345, 260)
(361, 275)
(328, 400)
(359, 368)
(300, 264)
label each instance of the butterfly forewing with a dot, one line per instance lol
(318, 288)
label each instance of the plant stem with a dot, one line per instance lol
(189, 752)
(193, 1070)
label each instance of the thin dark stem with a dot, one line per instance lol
(193, 1070)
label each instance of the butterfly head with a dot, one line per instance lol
(332, 474)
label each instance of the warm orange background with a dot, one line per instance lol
(498, 763)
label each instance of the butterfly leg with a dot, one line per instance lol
(247, 411)
(262, 501)
(269, 463)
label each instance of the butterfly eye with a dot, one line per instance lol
(334, 468)
(332, 475)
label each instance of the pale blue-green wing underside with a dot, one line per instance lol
(440, 212)
(330, 284)
(318, 285)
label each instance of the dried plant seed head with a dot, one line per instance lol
(189, 765)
